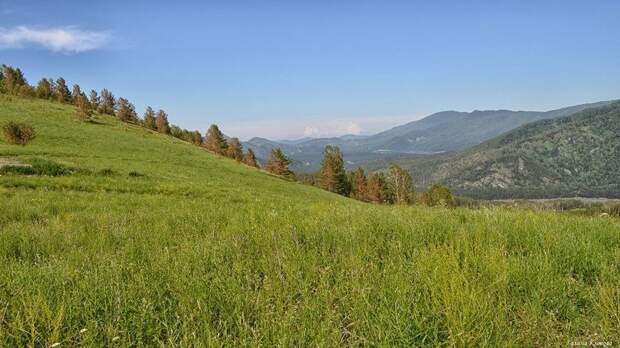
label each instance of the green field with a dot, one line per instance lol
(194, 249)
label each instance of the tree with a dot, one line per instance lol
(126, 112)
(149, 121)
(400, 184)
(94, 99)
(108, 102)
(45, 89)
(278, 164)
(438, 195)
(76, 92)
(250, 159)
(377, 188)
(333, 177)
(235, 149)
(196, 138)
(161, 122)
(84, 108)
(359, 188)
(61, 91)
(13, 81)
(215, 141)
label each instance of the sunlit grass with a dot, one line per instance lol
(202, 250)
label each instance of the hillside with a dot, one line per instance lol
(146, 240)
(574, 156)
(440, 132)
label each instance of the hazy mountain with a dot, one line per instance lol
(440, 132)
(578, 155)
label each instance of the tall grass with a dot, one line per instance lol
(203, 251)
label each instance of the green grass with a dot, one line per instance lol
(199, 250)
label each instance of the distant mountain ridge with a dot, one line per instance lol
(578, 155)
(440, 132)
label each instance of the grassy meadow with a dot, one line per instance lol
(152, 241)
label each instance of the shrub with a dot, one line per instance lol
(18, 133)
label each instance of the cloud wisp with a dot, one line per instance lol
(65, 39)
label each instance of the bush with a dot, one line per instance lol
(18, 133)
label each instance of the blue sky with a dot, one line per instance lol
(287, 69)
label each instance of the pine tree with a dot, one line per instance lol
(278, 164)
(126, 112)
(76, 93)
(161, 122)
(376, 188)
(61, 91)
(400, 184)
(84, 108)
(250, 159)
(14, 82)
(108, 102)
(359, 188)
(148, 121)
(94, 99)
(333, 177)
(196, 138)
(235, 150)
(215, 141)
(44, 89)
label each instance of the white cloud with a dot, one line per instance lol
(310, 131)
(333, 128)
(66, 39)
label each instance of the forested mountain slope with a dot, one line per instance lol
(577, 155)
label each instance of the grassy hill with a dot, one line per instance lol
(572, 156)
(152, 241)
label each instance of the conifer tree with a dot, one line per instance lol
(61, 91)
(235, 149)
(45, 89)
(126, 112)
(196, 138)
(94, 99)
(148, 121)
(359, 189)
(84, 108)
(400, 185)
(376, 188)
(278, 164)
(333, 177)
(13, 81)
(250, 159)
(161, 121)
(215, 141)
(108, 102)
(76, 92)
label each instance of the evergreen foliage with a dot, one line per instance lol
(215, 141)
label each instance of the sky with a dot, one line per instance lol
(291, 69)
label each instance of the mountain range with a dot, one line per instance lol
(441, 132)
(577, 155)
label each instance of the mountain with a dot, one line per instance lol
(578, 155)
(440, 132)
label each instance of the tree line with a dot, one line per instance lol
(394, 186)
(13, 82)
